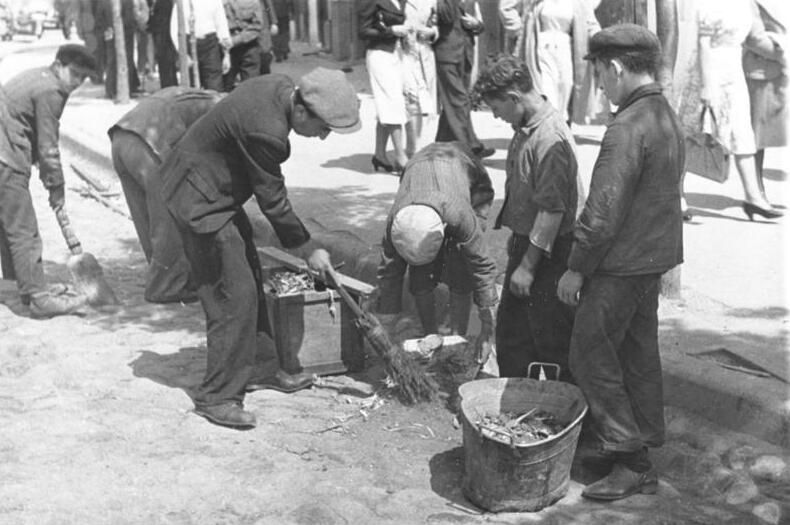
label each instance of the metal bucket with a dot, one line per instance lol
(511, 477)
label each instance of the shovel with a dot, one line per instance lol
(85, 270)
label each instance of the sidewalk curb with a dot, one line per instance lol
(712, 392)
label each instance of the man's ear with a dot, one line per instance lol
(617, 64)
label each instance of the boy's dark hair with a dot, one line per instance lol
(501, 74)
(76, 55)
(636, 61)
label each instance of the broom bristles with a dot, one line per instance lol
(411, 382)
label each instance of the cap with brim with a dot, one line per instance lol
(329, 95)
(417, 233)
(622, 38)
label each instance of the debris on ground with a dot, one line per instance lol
(286, 282)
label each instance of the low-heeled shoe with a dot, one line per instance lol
(227, 415)
(621, 483)
(282, 382)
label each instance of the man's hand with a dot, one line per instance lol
(470, 23)
(57, 197)
(569, 287)
(225, 62)
(399, 30)
(320, 262)
(274, 29)
(521, 281)
(484, 344)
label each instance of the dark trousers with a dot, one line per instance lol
(614, 359)
(226, 270)
(137, 167)
(537, 327)
(165, 60)
(209, 55)
(455, 121)
(111, 82)
(245, 62)
(281, 40)
(20, 242)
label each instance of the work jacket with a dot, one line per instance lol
(162, 119)
(631, 223)
(455, 44)
(232, 153)
(448, 177)
(31, 104)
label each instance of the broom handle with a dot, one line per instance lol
(68, 232)
(350, 302)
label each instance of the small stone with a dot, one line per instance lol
(743, 489)
(768, 468)
(769, 512)
(738, 458)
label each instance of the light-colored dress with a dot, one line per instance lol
(419, 64)
(727, 25)
(552, 42)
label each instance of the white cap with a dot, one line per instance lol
(417, 234)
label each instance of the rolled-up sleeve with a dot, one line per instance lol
(263, 155)
(612, 188)
(48, 109)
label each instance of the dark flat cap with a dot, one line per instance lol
(329, 95)
(622, 38)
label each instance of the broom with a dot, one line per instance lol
(411, 382)
(85, 270)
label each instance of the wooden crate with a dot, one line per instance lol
(307, 337)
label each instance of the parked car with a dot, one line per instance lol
(34, 16)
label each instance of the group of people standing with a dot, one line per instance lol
(233, 39)
(420, 55)
(582, 279)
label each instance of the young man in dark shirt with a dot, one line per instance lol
(541, 199)
(30, 107)
(629, 233)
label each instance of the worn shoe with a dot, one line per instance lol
(227, 415)
(282, 382)
(45, 305)
(621, 483)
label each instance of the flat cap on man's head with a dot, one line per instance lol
(77, 56)
(622, 38)
(329, 95)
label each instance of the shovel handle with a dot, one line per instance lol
(68, 232)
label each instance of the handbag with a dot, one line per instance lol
(706, 156)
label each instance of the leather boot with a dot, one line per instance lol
(460, 306)
(44, 305)
(227, 415)
(621, 483)
(282, 382)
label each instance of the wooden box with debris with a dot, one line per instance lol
(313, 330)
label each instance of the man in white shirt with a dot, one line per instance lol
(210, 29)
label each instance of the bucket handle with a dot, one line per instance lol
(542, 372)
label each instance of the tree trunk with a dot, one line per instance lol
(183, 51)
(121, 69)
(667, 31)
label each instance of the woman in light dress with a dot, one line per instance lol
(717, 80)
(381, 26)
(419, 68)
(551, 36)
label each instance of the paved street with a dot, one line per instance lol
(98, 428)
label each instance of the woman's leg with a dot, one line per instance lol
(381, 143)
(747, 169)
(395, 131)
